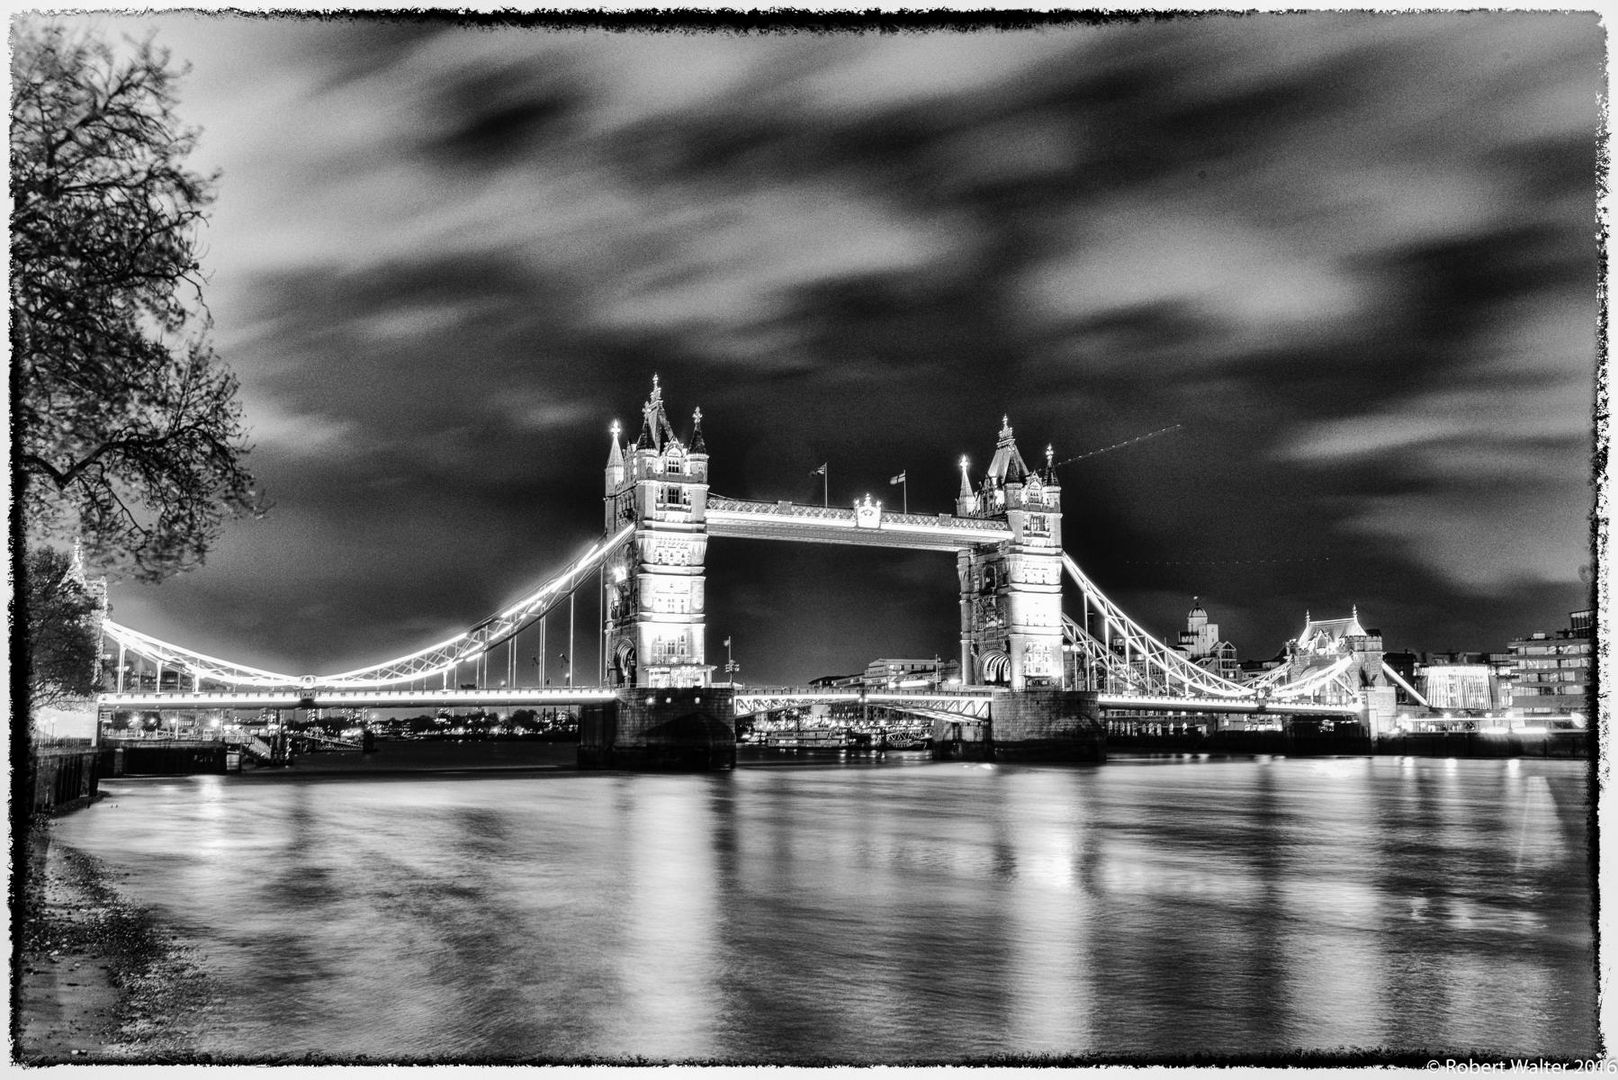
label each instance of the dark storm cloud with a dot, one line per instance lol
(496, 117)
(1352, 256)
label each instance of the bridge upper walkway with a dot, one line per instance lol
(870, 526)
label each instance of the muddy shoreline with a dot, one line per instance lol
(94, 978)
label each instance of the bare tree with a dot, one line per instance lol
(127, 427)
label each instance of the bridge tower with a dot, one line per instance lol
(1323, 644)
(1011, 591)
(655, 634)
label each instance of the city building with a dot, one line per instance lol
(885, 672)
(1549, 673)
(1454, 656)
(1251, 669)
(1201, 644)
(1459, 681)
(1459, 687)
(837, 682)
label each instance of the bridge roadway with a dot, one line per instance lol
(977, 702)
(1228, 705)
(321, 698)
(966, 703)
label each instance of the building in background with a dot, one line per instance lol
(1201, 644)
(1549, 674)
(1459, 687)
(886, 673)
(1252, 669)
(837, 682)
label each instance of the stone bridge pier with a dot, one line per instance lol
(686, 728)
(1039, 724)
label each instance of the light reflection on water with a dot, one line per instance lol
(914, 912)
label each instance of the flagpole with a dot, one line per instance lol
(904, 486)
(825, 486)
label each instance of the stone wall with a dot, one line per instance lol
(61, 778)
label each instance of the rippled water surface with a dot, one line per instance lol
(903, 911)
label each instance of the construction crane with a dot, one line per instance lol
(1120, 445)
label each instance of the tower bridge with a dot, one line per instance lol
(1035, 680)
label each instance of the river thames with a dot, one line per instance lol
(906, 911)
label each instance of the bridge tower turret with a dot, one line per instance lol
(655, 583)
(1011, 591)
(615, 473)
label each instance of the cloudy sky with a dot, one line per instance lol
(1353, 257)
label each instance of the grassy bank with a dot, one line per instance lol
(95, 978)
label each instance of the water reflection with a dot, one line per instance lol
(934, 912)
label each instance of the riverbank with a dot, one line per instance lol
(97, 979)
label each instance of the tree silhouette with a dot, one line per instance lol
(126, 425)
(60, 630)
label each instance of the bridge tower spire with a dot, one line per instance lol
(615, 464)
(1011, 591)
(655, 582)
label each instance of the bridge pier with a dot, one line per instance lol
(1029, 725)
(687, 728)
(1381, 707)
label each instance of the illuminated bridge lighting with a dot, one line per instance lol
(1104, 651)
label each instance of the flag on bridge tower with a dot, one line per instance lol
(727, 643)
(825, 482)
(897, 479)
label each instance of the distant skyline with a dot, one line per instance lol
(1353, 256)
